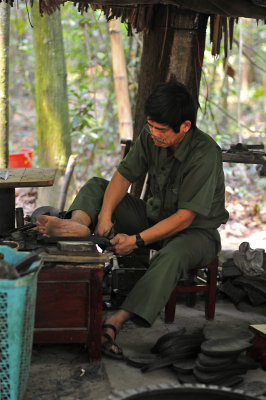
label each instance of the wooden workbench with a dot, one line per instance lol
(12, 178)
(69, 302)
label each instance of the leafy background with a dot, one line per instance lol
(232, 99)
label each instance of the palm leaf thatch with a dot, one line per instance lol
(139, 14)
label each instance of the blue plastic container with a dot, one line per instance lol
(17, 312)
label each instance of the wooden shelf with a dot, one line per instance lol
(27, 177)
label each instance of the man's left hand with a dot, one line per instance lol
(124, 244)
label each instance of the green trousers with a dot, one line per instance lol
(178, 254)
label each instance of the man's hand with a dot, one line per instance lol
(124, 244)
(114, 193)
(104, 228)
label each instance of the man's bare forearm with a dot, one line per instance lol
(124, 244)
(169, 226)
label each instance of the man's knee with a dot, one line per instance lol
(94, 187)
(98, 182)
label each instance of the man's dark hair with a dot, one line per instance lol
(171, 104)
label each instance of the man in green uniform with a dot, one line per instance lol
(181, 216)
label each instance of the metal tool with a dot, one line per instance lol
(102, 241)
(4, 175)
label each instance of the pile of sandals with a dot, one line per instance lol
(210, 355)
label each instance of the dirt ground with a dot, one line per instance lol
(62, 372)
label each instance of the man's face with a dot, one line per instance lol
(162, 135)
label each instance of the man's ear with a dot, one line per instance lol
(186, 125)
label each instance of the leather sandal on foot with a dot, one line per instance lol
(107, 344)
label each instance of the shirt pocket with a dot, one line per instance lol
(171, 200)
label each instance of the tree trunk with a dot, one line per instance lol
(173, 49)
(53, 129)
(4, 62)
(120, 80)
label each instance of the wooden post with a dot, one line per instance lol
(174, 48)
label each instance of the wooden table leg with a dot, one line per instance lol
(95, 314)
(7, 209)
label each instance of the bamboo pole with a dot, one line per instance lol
(68, 174)
(4, 100)
(120, 81)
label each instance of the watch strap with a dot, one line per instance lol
(139, 241)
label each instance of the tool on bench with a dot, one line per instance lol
(21, 268)
(23, 265)
(102, 241)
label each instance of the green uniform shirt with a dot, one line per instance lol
(191, 178)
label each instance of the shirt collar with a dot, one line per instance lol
(182, 151)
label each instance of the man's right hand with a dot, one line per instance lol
(104, 228)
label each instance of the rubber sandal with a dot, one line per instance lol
(224, 347)
(166, 338)
(110, 326)
(212, 361)
(184, 366)
(181, 344)
(161, 363)
(221, 331)
(186, 378)
(107, 345)
(217, 377)
(141, 360)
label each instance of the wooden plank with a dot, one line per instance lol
(244, 157)
(67, 335)
(65, 273)
(27, 177)
(259, 329)
(78, 259)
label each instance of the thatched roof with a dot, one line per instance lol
(227, 8)
(139, 13)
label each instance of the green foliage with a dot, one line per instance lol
(92, 100)
(232, 108)
(91, 94)
(18, 25)
(90, 82)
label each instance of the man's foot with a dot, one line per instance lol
(109, 347)
(110, 329)
(53, 226)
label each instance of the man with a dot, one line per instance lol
(181, 216)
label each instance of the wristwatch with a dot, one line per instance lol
(139, 241)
